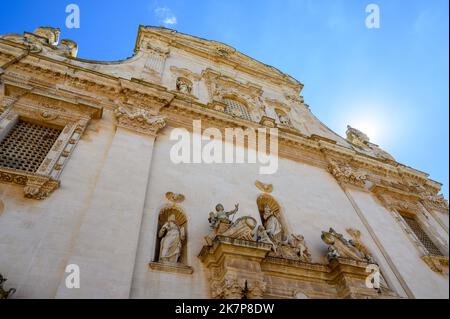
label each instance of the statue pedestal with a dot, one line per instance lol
(171, 267)
(235, 267)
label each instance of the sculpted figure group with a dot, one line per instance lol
(270, 232)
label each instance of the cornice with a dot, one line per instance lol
(216, 52)
(60, 80)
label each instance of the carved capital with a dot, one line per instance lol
(139, 120)
(344, 173)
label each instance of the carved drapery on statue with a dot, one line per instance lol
(170, 248)
(172, 237)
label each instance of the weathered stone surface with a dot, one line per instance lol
(97, 197)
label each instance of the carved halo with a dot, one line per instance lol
(264, 199)
(171, 209)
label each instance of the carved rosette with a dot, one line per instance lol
(139, 120)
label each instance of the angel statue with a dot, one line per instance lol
(172, 237)
(221, 215)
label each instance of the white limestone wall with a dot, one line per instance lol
(37, 237)
(310, 199)
(423, 282)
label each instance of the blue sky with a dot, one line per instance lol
(390, 82)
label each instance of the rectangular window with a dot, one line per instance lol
(26, 146)
(422, 236)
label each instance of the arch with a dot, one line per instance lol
(181, 220)
(266, 199)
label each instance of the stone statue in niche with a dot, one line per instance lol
(172, 237)
(184, 86)
(272, 225)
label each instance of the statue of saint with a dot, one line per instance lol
(172, 237)
(272, 225)
(221, 215)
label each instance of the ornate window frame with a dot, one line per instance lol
(43, 110)
(400, 205)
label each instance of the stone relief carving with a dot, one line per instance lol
(5, 294)
(339, 247)
(438, 264)
(361, 141)
(139, 120)
(221, 87)
(221, 225)
(266, 188)
(184, 86)
(175, 198)
(172, 237)
(238, 288)
(346, 174)
(293, 248)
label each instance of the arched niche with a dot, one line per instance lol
(266, 199)
(181, 220)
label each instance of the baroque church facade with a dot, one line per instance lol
(87, 181)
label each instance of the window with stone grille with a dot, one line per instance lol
(236, 108)
(422, 236)
(26, 146)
